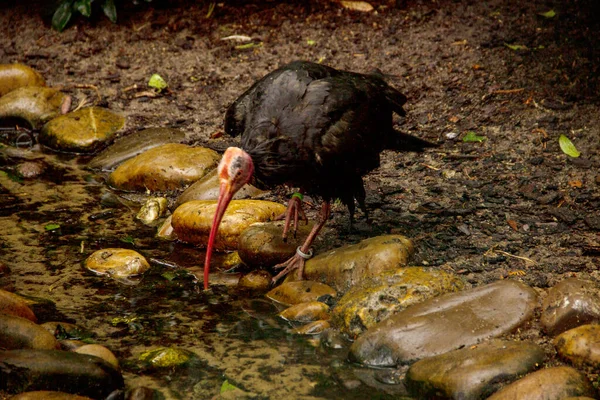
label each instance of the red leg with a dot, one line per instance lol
(298, 260)
(294, 209)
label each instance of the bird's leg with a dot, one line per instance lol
(304, 252)
(294, 209)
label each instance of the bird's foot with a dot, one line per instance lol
(295, 211)
(295, 263)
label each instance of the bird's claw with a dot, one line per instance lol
(295, 263)
(294, 209)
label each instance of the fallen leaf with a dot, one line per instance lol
(575, 184)
(548, 14)
(568, 147)
(472, 137)
(157, 82)
(357, 5)
(516, 47)
(454, 119)
(512, 224)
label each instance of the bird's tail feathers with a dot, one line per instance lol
(404, 142)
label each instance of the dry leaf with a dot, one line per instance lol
(512, 224)
(575, 184)
(357, 5)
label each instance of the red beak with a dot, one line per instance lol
(225, 195)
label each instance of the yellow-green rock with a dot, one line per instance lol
(14, 76)
(20, 333)
(262, 244)
(306, 312)
(167, 167)
(118, 263)
(14, 304)
(387, 293)
(192, 221)
(312, 328)
(344, 267)
(207, 188)
(35, 105)
(256, 281)
(290, 293)
(580, 345)
(82, 131)
(167, 357)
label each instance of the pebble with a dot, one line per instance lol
(445, 323)
(580, 345)
(570, 303)
(555, 383)
(385, 294)
(258, 280)
(101, 352)
(167, 357)
(119, 264)
(473, 372)
(290, 293)
(14, 304)
(306, 312)
(312, 328)
(35, 105)
(21, 333)
(152, 209)
(14, 76)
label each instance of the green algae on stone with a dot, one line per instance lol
(382, 295)
(580, 345)
(192, 221)
(82, 131)
(290, 293)
(167, 167)
(35, 105)
(14, 76)
(167, 357)
(346, 266)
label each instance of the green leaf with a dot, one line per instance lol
(109, 9)
(310, 42)
(568, 147)
(127, 239)
(62, 15)
(516, 47)
(169, 275)
(472, 137)
(156, 81)
(52, 227)
(84, 7)
(226, 387)
(548, 14)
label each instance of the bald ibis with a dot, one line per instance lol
(313, 127)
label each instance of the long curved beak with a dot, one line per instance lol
(225, 195)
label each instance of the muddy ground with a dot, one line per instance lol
(512, 206)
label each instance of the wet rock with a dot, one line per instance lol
(192, 220)
(306, 312)
(290, 293)
(570, 303)
(132, 145)
(580, 345)
(167, 167)
(14, 304)
(101, 352)
(71, 344)
(55, 370)
(21, 333)
(385, 294)
(473, 372)
(119, 264)
(261, 244)
(48, 395)
(82, 131)
(35, 105)
(14, 76)
(344, 267)
(152, 209)
(312, 328)
(207, 188)
(30, 169)
(167, 357)
(256, 281)
(445, 323)
(165, 231)
(557, 383)
(143, 393)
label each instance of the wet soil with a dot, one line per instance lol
(512, 206)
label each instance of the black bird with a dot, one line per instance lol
(313, 127)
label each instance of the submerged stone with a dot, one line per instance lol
(167, 167)
(473, 373)
(385, 294)
(132, 145)
(556, 383)
(14, 76)
(14, 304)
(48, 395)
(152, 209)
(192, 221)
(312, 328)
(261, 244)
(21, 333)
(347, 266)
(258, 280)
(306, 312)
(55, 370)
(119, 264)
(580, 345)
(81, 131)
(445, 323)
(101, 352)
(167, 357)
(571, 303)
(207, 188)
(290, 293)
(35, 105)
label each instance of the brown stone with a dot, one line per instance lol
(306, 312)
(580, 345)
(14, 304)
(21, 333)
(290, 293)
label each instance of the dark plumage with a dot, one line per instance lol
(313, 127)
